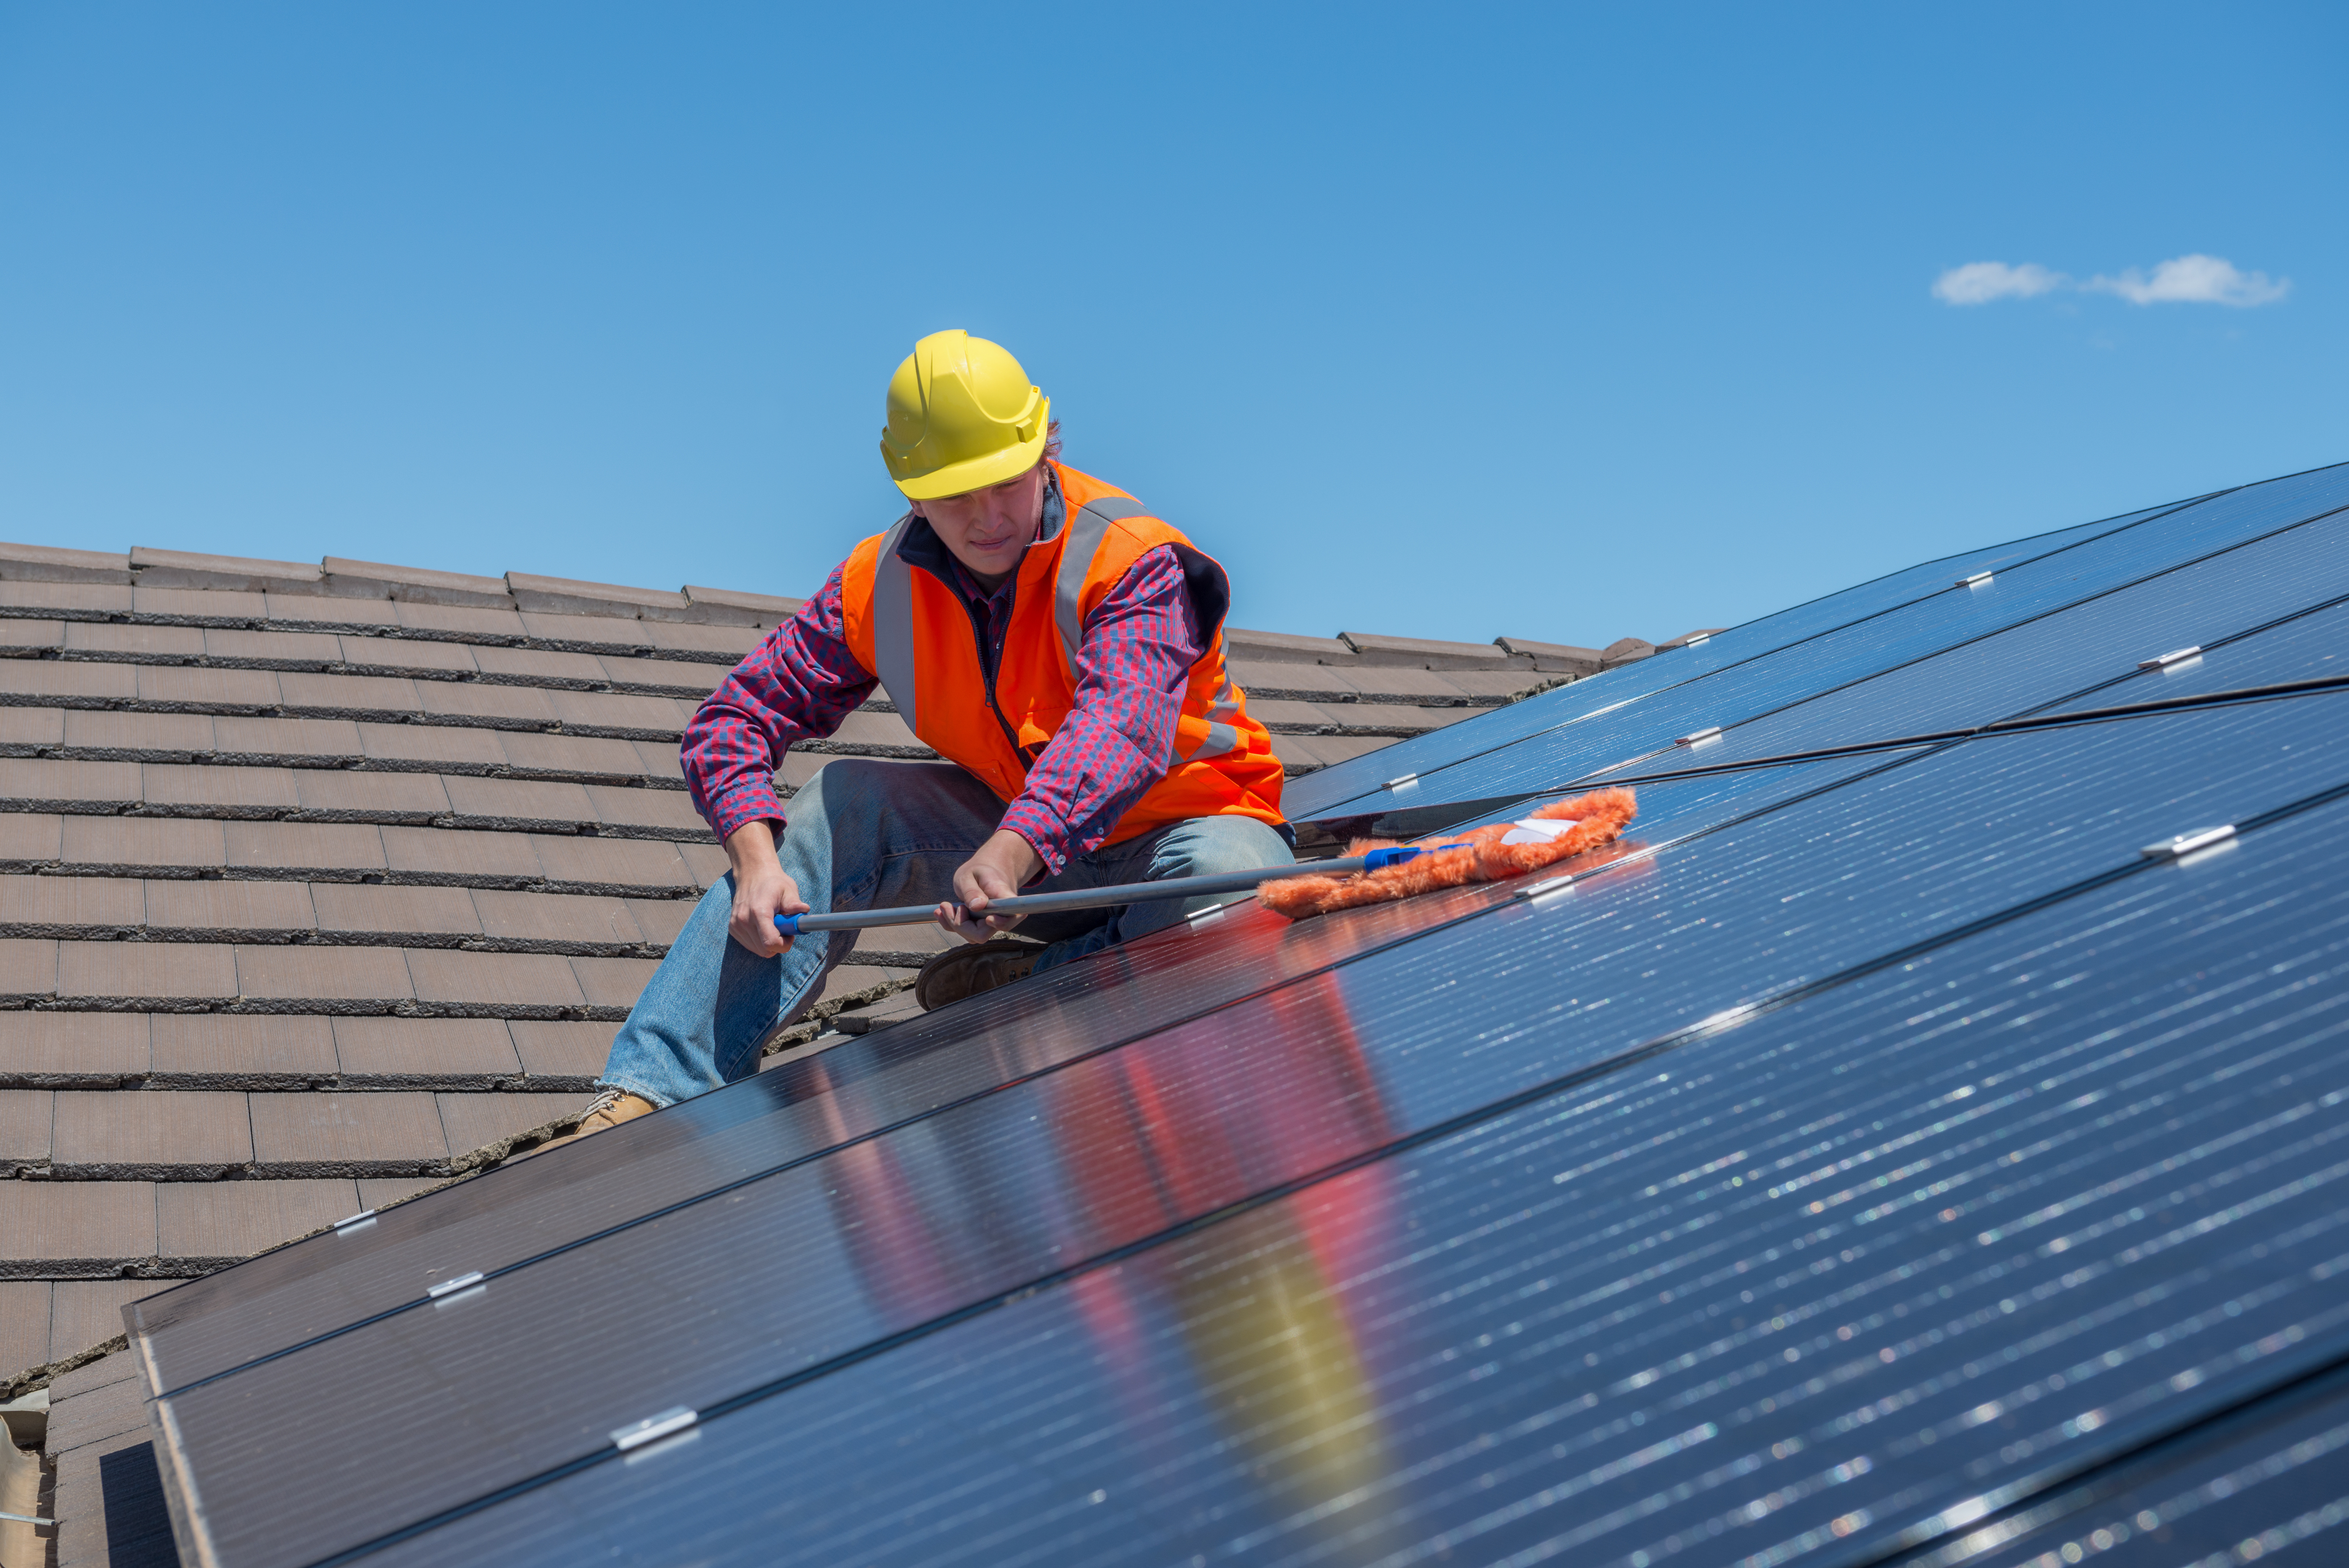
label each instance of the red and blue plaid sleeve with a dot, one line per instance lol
(798, 685)
(1133, 661)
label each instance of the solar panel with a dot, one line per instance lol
(1596, 728)
(2312, 646)
(1795, 1292)
(874, 1239)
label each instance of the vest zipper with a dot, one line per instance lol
(990, 664)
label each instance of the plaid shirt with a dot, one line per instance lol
(1134, 660)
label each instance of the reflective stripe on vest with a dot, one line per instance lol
(1221, 735)
(1085, 530)
(893, 623)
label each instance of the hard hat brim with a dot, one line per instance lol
(975, 473)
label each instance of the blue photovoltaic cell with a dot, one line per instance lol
(988, 1197)
(208, 1326)
(1620, 733)
(1308, 798)
(2027, 667)
(1785, 1295)
(2268, 1484)
(2308, 647)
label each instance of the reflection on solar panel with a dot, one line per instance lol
(1883, 1156)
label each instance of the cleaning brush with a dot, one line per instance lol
(1372, 871)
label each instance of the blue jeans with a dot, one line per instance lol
(870, 835)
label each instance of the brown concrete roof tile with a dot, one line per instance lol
(322, 975)
(850, 978)
(407, 653)
(303, 846)
(104, 1410)
(56, 678)
(1298, 681)
(347, 1128)
(418, 584)
(668, 810)
(1393, 718)
(71, 901)
(445, 852)
(352, 693)
(704, 863)
(924, 939)
(288, 647)
(539, 663)
(173, 904)
(601, 632)
(343, 789)
(1623, 651)
(237, 1219)
(186, 569)
(661, 919)
(877, 729)
(178, 971)
(152, 1127)
(620, 710)
(556, 917)
(329, 610)
(494, 979)
(1285, 647)
(659, 758)
(430, 743)
(1685, 638)
(59, 1221)
(17, 633)
(1336, 749)
(102, 1373)
(148, 641)
(574, 754)
(24, 1324)
(567, 596)
(88, 1312)
(237, 736)
(226, 1045)
(52, 563)
(470, 699)
(426, 1047)
(520, 799)
(734, 607)
(1427, 652)
(352, 908)
(1279, 713)
(615, 982)
(235, 789)
(699, 678)
(463, 620)
(563, 1049)
(103, 598)
(212, 687)
(139, 732)
(632, 862)
(31, 727)
(472, 1120)
(376, 1192)
(89, 1046)
(729, 643)
(1500, 685)
(1297, 753)
(1561, 658)
(27, 968)
(141, 841)
(27, 1119)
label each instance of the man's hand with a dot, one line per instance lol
(761, 890)
(1000, 868)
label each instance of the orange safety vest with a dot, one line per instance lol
(912, 632)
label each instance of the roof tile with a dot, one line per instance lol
(735, 607)
(28, 968)
(1426, 653)
(355, 694)
(237, 789)
(31, 727)
(237, 1219)
(24, 1324)
(237, 736)
(576, 754)
(567, 596)
(494, 979)
(59, 1221)
(357, 907)
(472, 1121)
(68, 679)
(15, 633)
(204, 1045)
(72, 900)
(408, 654)
(343, 611)
(615, 982)
(306, 846)
(152, 1127)
(670, 810)
(342, 790)
(185, 569)
(469, 699)
(522, 799)
(140, 734)
(322, 975)
(176, 971)
(632, 862)
(1623, 650)
(142, 842)
(89, 598)
(728, 644)
(345, 1129)
(85, 1046)
(173, 904)
(50, 563)
(1284, 647)
(88, 1312)
(554, 917)
(149, 642)
(430, 743)
(603, 632)
(661, 919)
(460, 619)
(563, 1049)
(281, 647)
(26, 1118)
(426, 1047)
(212, 687)
(539, 663)
(446, 851)
(197, 603)
(418, 584)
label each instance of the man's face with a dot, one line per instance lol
(988, 530)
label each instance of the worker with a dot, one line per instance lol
(1060, 646)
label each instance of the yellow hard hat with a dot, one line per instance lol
(962, 416)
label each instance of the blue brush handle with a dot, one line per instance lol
(1113, 897)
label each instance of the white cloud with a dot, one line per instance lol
(2196, 279)
(1979, 282)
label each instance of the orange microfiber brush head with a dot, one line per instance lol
(1486, 854)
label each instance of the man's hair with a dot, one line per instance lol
(1052, 441)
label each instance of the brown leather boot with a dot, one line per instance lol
(609, 1109)
(967, 971)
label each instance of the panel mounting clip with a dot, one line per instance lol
(652, 1429)
(1399, 783)
(2185, 844)
(1977, 580)
(449, 1287)
(359, 1221)
(2175, 656)
(1711, 732)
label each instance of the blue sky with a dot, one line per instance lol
(1569, 322)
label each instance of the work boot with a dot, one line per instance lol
(968, 970)
(609, 1109)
